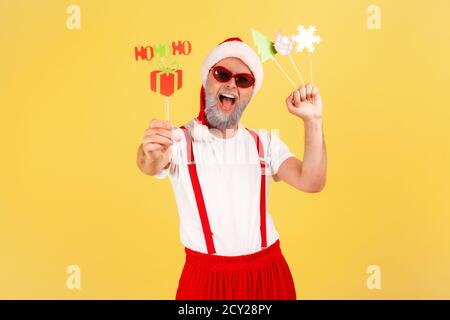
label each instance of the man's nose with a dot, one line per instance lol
(232, 83)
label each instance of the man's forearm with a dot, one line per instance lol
(150, 166)
(314, 157)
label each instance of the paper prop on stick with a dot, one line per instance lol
(306, 39)
(267, 51)
(166, 81)
(162, 50)
(284, 45)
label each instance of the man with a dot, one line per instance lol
(219, 171)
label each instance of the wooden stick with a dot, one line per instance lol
(296, 69)
(310, 67)
(167, 109)
(284, 72)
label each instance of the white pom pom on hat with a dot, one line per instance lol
(231, 47)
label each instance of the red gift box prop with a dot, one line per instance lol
(166, 82)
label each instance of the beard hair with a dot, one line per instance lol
(218, 119)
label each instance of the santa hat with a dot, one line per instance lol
(231, 47)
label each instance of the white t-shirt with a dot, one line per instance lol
(230, 178)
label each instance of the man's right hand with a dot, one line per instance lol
(158, 137)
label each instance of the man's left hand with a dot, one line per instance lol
(305, 102)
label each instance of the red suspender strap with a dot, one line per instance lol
(198, 194)
(262, 203)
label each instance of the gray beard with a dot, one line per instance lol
(218, 119)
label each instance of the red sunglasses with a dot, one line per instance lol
(243, 80)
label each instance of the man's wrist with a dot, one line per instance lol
(313, 123)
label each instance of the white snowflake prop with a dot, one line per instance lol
(306, 38)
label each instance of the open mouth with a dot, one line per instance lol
(227, 101)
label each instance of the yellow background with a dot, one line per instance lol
(74, 105)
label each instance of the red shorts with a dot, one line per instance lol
(263, 275)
